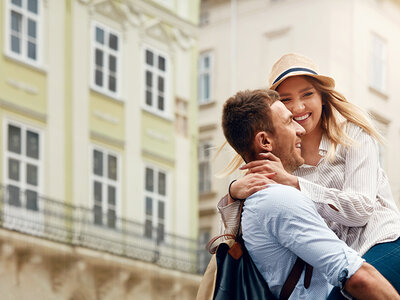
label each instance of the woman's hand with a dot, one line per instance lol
(249, 184)
(271, 164)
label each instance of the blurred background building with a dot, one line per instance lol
(357, 42)
(98, 177)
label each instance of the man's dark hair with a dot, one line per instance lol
(244, 115)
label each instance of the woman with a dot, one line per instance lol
(341, 173)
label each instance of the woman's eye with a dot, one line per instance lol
(308, 94)
(285, 99)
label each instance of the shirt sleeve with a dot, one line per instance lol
(294, 221)
(356, 201)
(229, 215)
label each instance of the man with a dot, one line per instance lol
(279, 223)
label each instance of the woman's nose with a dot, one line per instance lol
(298, 107)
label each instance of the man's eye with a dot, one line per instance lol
(285, 99)
(308, 94)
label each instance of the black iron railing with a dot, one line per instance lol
(75, 225)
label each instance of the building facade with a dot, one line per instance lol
(99, 149)
(356, 42)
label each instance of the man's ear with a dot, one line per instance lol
(262, 142)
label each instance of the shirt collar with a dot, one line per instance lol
(324, 145)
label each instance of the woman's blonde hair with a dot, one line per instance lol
(336, 108)
(336, 112)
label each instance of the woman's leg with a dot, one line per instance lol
(385, 258)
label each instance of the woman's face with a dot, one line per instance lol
(303, 100)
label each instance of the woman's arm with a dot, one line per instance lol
(354, 204)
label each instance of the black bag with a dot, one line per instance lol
(238, 277)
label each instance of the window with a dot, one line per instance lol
(204, 167)
(23, 30)
(105, 187)
(106, 60)
(181, 111)
(204, 77)
(156, 81)
(23, 164)
(378, 64)
(155, 203)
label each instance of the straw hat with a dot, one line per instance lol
(293, 64)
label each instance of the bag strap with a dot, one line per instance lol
(294, 277)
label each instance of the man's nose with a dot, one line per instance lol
(300, 131)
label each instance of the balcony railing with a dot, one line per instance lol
(79, 226)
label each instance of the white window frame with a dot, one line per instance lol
(166, 113)
(21, 211)
(205, 159)
(378, 63)
(155, 196)
(38, 18)
(105, 181)
(106, 50)
(202, 72)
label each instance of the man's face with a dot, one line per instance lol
(286, 141)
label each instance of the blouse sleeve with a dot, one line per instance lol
(229, 215)
(356, 201)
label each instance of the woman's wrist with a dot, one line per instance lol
(230, 197)
(293, 181)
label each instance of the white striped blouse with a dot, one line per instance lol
(355, 184)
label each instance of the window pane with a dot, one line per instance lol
(206, 92)
(31, 50)
(113, 43)
(98, 215)
(149, 180)
(32, 174)
(111, 217)
(33, 6)
(99, 78)
(112, 83)
(111, 195)
(149, 206)
(14, 139)
(13, 169)
(17, 2)
(160, 103)
(148, 229)
(161, 183)
(31, 28)
(99, 35)
(160, 232)
(161, 210)
(97, 192)
(112, 167)
(149, 57)
(149, 96)
(161, 63)
(112, 60)
(97, 162)
(13, 195)
(160, 84)
(206, 62)
(31, 200)
(32, 144)
(16, 21)
(99, 57)
(15, 44)
(149, 79)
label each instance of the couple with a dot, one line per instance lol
(279, 222)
